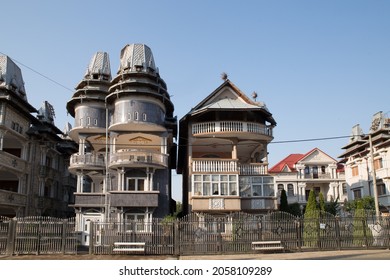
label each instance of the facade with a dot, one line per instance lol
(33, 156)
(125, 129)
(365, 162)
(298, 174)
(223, 154)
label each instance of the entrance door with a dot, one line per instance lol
(85, 234)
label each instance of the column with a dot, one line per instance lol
(81, 145)
(234, 150)
(79, 183)
(2, 136)
(164, 145)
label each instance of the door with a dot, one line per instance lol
(85, 234)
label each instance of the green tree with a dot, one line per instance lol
(311, 221)
(367, 203)
(361, 232)
(284, 202)
(333, 207)
(321, 201)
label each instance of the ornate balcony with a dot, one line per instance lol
(231, 126)
(216, 203)
(228, 166)
(12, 198)
(232, 203)
(136, 158)
(88, 161)
(89, 199)
(12, 162)
(134, 199)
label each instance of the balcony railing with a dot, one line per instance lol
(12, 198)
(12, 162)
(88, 160)
(231, 126)
(318, 176)
(228, 166)
(136, 157)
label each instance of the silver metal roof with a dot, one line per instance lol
(136, 57)
(99, 65)
(11, 76)
(46, 112)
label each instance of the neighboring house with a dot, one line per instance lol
(33, 156)
(125, 129)
(359, 162)
(298, 174)
(223, 154)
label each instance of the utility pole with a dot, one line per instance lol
(377, 213)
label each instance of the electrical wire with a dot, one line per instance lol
(39, 73)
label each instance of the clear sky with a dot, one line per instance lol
(320, 66)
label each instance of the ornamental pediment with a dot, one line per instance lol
(140, 140)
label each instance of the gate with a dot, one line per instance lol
(281, 226)
(45, 235)
(158, 236)
(206, 234)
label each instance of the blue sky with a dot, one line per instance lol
(320, 66)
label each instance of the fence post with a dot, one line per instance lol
(299, 235)
(364, 222)
(176, 239)
(338, 232)
(64, 234)
(91, 237)
(11, 237)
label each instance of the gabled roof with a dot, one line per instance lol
(237, 101)
(288, 162)
(314, 150)
(291, 160)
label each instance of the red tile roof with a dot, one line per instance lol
(292, 159)
(289, 161)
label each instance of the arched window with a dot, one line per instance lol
(290, 190)
(280, 188)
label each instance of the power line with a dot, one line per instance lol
(39, 73)
(310, 140)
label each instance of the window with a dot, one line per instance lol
(256, 186)
(135, 184)
(378, 163)
(88, 121)
(355, 171)
(95, 122)
(290, 190)
(135, 222)
(381, 187)
(144, 117)
(344, 188)
(136, 116)
(357, 193)
(214, 185)
(323, 169)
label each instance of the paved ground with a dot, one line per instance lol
(383, 254)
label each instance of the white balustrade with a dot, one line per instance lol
(226, 166)
(231, 126)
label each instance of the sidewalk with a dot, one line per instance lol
(379, 254)
(382, 254)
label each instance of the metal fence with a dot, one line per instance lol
(37, 235)
(198, 234)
